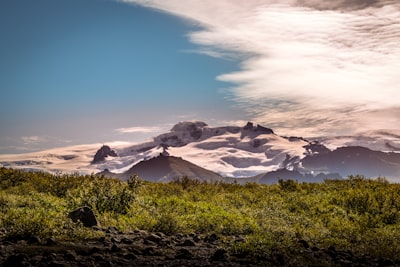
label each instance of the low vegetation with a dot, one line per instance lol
(357, 215)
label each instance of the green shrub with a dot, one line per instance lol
(358, 214)
(288, 185)
(103, 195)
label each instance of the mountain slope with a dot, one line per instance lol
(166, 168)
(231, 151)
(355, 160)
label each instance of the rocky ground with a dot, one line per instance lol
(141, 248)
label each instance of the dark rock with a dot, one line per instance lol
(211, 238)
(98, 257)
(111, 230)
(129, 256)
(97, 228)
(18, 260)
(280, 259)
(316, 148)
(194, 129)
(102, 153)
(386, 263)
(126, 241)
(160, 234)
(256, 143)
(70, 255)
(51, 242)
(94, 250)
(135, 251)
(115, 248)
(149, 251)
(114, 240)
(84, 215)
(179, 236)
(149, 243)
(304, 243)
(258, 128)
(196, 238)
(264, 130)
(345, 263)
(141, 233)
(220, 254)
(187, 243)
(248, 126)
(153, 238)
(183, 253)
(34, 240)
(331, 252)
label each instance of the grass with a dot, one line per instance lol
(358, 215)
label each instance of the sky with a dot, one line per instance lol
(88, 71)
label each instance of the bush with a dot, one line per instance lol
(358, 214)
(103, 195)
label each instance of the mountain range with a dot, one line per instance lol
(251, 153)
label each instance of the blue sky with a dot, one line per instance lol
(73, 71)
(86, 71)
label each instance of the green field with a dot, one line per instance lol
(357, 215)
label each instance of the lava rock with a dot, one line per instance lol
(153, 238)
(183, 254)
(187, 243)
(17, 261)
(84, 215)
(220, 254)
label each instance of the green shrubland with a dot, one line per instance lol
(357, 214)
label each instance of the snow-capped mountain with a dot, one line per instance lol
(381, 140)
(231, 151)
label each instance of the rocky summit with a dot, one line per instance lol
(103, 153)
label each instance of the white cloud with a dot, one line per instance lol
(143, 130)
(32, 139)
(306, 65)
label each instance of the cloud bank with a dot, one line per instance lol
(306, 66)
(143, 130)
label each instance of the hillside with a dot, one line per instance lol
(167, 168)
(354, 222)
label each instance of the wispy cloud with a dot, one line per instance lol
(143, 130)
(34, 139)
(306, 65)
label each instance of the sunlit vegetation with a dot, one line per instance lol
(357, 215)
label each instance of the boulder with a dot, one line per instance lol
(84, 215)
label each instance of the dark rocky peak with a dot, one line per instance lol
(182, 134)
(316, 148)
(290, 163)
(193, 128)
(264, 130)
(102, 153)
(165, 150)
(258, 128)
(295, 138)
(248, 126)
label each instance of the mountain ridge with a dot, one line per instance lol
(248, 152)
